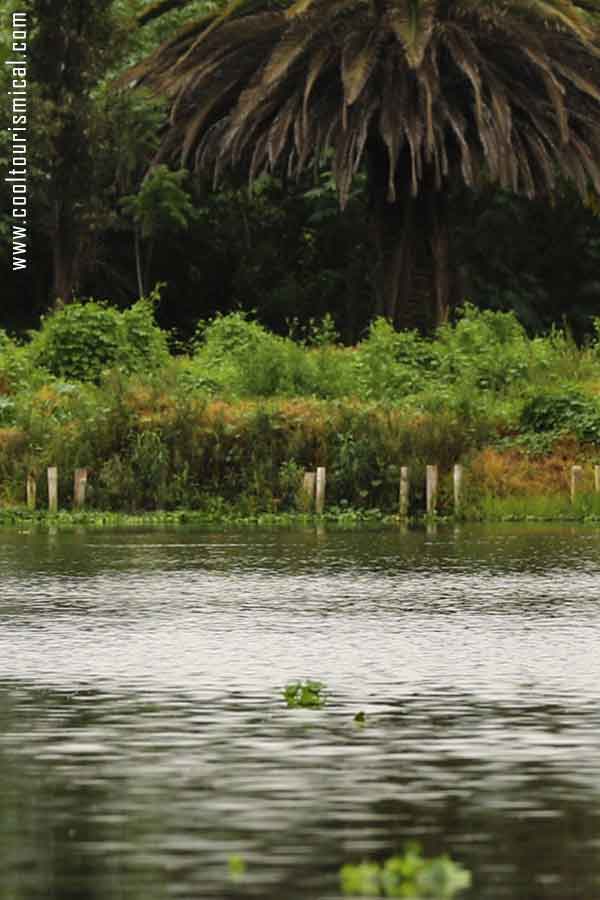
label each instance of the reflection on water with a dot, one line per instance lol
(143, 739)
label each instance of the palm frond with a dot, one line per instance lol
(505, 88)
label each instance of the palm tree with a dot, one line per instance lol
(426, 93)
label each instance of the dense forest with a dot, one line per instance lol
(109, 219)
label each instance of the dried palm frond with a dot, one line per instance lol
(511, 87)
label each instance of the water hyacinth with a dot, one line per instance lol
(408, 875)
(308, 694)
(236, 865)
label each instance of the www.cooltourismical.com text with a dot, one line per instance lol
(16, 176)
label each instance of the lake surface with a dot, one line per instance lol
(144, 739)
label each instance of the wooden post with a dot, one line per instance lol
(79, 486)
(308, 491)
(576, 479)
(404, 491)
(458, 485)
(432, 486)
(597, 479)
(31, 491)
(320, 495)
(53, 489)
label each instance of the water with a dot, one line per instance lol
(143, 739)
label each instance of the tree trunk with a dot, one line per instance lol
(398, 256)
(64, 260)
(138, 260)
(412, 243)
(63, 272)
(440, 253)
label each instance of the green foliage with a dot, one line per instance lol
(241, 356)
(83, 339)
(142, 344)
(16, 368)
(361, 879)
(236, 866)
(241, 420)
(78, 342)
(409, 875)
(553, 508)
(482, 351)
(569, 411)
(392, 363)
(7, 410)
(307, 694)
(324, 333)
(487, 349)
(290, 481)
(161, 202)
(128, 130)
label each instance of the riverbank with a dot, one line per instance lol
(229, 430)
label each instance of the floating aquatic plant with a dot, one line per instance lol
(408, 875)
(237, 866)
(360, 718)
(304, 693)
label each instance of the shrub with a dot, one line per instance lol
(81, 340)
(565, 411)
(244, 358)
(78, 341)
(142, 344)
(16, 370)
(488, 349)
(390, 364)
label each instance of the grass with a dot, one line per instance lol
(557, 507)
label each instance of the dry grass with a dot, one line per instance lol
(515, 473)
(12, 440)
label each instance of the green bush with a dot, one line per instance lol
(392, 364)
(78, 341)
(243, 358)
(142, 344)
(16, 368)
(85, 338)
(488, 349)
(566, 411)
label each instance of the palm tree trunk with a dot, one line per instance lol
(412, 244)
(398, 258)
(440, 253)
(394, 231)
